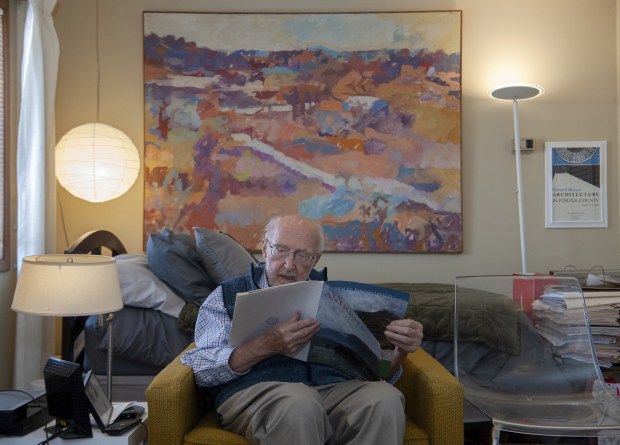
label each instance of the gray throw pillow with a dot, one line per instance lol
(222, 255)
(173, 257)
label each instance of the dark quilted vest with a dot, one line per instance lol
(278, 368)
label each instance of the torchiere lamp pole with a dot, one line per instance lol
(516, 93)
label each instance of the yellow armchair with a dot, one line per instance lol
(179, 414)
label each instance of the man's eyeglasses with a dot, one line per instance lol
(280, 251)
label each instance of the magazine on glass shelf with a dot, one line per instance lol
(353, 317)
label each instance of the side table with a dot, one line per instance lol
(135, 436)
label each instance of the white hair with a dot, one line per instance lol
(273, 225)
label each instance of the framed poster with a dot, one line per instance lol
(576, 184)
(350, 119)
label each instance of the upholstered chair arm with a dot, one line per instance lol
(175, 403)
(433, 398)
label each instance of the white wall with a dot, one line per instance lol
(567, 46)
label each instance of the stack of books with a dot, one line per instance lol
(559, 318)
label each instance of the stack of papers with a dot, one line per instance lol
(559, 319)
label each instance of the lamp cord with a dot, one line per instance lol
(49, 438)
(97, 55)
(62, 218)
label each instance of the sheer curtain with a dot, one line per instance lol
(36, 184)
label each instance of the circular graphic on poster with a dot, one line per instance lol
(575, 155)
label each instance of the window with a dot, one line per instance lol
(5, 239)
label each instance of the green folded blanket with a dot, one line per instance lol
(484, 317)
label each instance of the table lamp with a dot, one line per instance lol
(515, 93)
(70, 286)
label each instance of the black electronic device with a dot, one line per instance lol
(131, 412)
(103, 411)
(66, 398)
(22, 411)
(36, 417)
(13, 406)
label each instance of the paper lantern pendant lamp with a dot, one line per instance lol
(96, 162)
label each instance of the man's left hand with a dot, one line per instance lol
(406, 335)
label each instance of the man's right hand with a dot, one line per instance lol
(284, 338)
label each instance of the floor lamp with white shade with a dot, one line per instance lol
(515, 93)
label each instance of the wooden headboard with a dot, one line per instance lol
(94, 243)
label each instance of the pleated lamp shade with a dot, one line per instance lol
(67, 285)
(96, 162)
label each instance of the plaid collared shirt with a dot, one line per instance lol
(209, 359)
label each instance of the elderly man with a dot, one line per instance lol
(261, 393)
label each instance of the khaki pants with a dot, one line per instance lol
(353, 412)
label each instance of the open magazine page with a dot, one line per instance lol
(258, 310)
(377, 306)
(353, 317)
(344, 342)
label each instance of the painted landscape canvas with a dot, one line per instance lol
(352, 120)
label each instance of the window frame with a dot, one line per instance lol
(5, 260)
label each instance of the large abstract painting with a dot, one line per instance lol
(352, 120)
